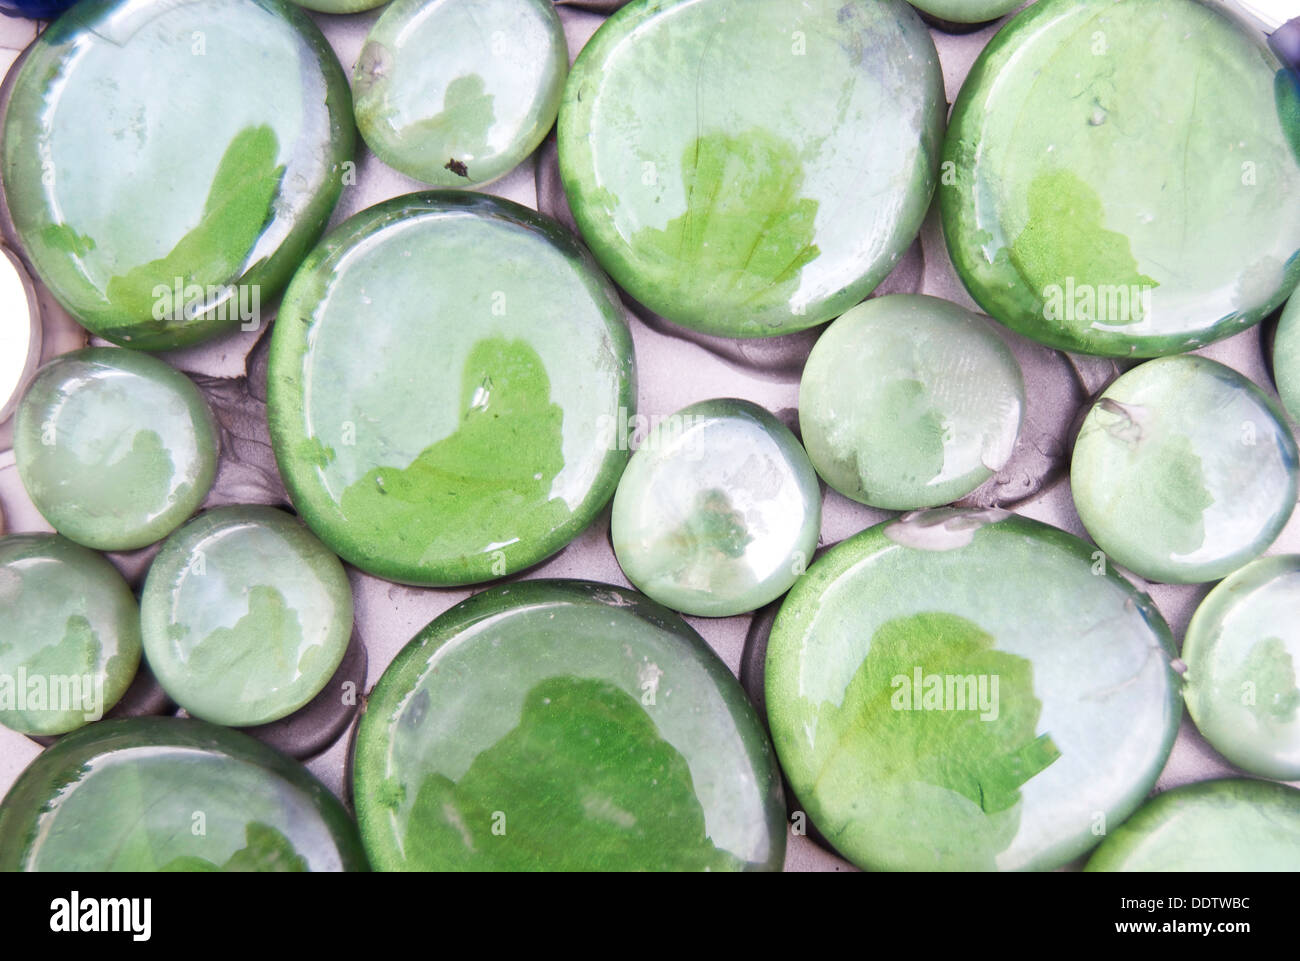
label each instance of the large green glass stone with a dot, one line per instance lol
(719, 510)
(71, 641)
(245, 616)
(1243, 657)
(968, 691)
(455, 93)
(164, 794)
(168, 163)
(1286, 358)
(910, 401)
(1228, 825)
(1184, 470)
(561, 726)
(966, 11)
(447, 375)
(750, 168)
(115, 448)
(1122, 177)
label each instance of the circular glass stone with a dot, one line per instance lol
(749, 168)
(456, 94)
(473, 433)
(115, 448)
(165, 794)
(1286, 358)
(1242, 650)
(909, 401)
(966, 11)
(719, 510)
(562, 725)
(340, 6)
(71, 642)
(1228, 825)
(1111, 198)
(245, 616)
(1183, 470)
(20, 331)
(968, 691)
(103, 112)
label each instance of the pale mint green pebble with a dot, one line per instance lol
(1286, 358)
(966, 11)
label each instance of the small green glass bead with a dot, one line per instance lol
(966, 11)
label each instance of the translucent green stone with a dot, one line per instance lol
(1286, 358)
(340, 6)
(966, 11)
(115, 447)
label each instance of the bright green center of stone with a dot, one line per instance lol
(752, 168)
(245, 616)
(928, 718)
(162, 794)
(718, 511)
(564, 726)
(1286, 358)
(476, 433)
(1124, 176)
(456, 93)
(1184, 470)
(71, 642)
(251, 176)
(115, 448)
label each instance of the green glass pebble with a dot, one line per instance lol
(564, 726)
(719, 510)
(245, 616)
(1228, 825)
(1286, 358)
(166, 794)
(1183, 470)
(455, 93)
(1243, 652)
(749, 168)
(115, 448)
(71, 643)
(447, 376)
(158, 223)
(966, 11)
(910, 401)
(340, 6)
(967, 691)
(1125, 176)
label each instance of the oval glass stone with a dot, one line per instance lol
(749, 168)
(1242, 650)
(123, 796)
(563, 725)
(1227, 825)
(456, 94)
(115, 448)
(447, 374)
(909, 401)
(965, 691)
(719, 510)
(245, 616)
(966, 11)
(1183, 470)
(1286, 358)
(103, 111)
(1110, 197)
(72, 635)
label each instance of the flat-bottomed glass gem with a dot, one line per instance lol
(1125, 176)
(1286, 358)
(959, 690)
(1184, 470)
(564, 725)
(168, 163)
(749, 168)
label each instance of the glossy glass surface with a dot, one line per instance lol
(1286, 358)
(966, 11)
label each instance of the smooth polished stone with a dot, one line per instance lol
(1184, 470)
(20, 331)
(1286, 358)
(966, 11)
(564, 726)
(166, 794)
(476, 432)
(1242, 649)
(749, 168)
(457, 94)
(340, 6)
(71, 642)
(909, 401)
(115, 448)
(1227, 825)
(158, 223)
(1123, 176)
(968, 691)
(245, 615)
(719, 510)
